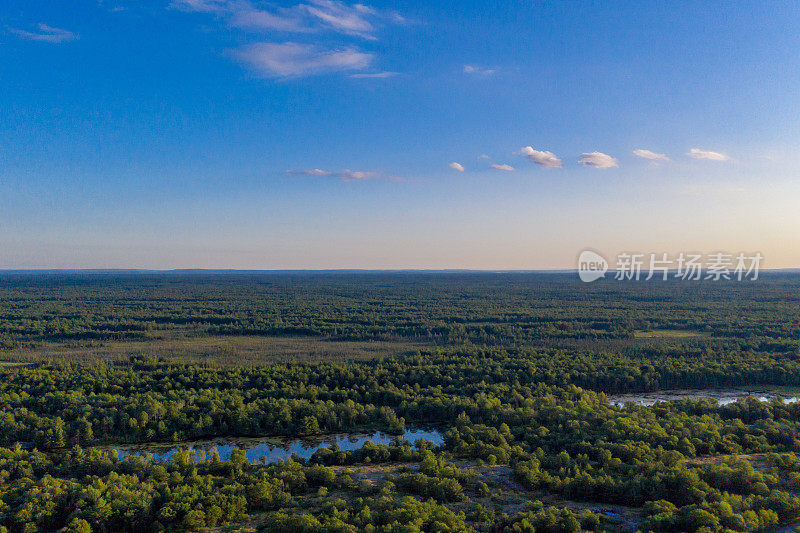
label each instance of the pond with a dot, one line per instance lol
(723, 396)
(273, 449)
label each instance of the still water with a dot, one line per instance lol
(272, 449)
(723, 396)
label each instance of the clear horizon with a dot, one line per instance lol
(327, 135)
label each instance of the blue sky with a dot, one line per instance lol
(324, 134)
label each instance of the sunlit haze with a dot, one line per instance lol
(323, 134)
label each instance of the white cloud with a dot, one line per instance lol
(311, 172)
(478, 70)
(397, 18)
(244, 15)
(647, 154)
(344, 175)
(456, 166)
(696, 153)
(314, 16)
(286, 59)
(544, 158)
(507, 168)
(217, 7)
(384, 74)
(274, 60)
(484, 156)
(352, 175)
(351, 20)
(598, 160)
(45, 33)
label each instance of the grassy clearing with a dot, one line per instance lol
(225, 350)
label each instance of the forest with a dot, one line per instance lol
(516, 370)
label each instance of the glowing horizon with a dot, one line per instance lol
(335, 135)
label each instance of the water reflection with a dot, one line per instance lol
(270, 449)
(723, 396)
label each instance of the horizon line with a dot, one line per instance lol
(333, 270)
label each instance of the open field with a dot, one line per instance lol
(243, 350)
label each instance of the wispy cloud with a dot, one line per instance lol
(284, 60)
(45, 33)
(696, 153)
(293, 59)
(247, 17)
(310, 172)
(507, 168)
(653, 156)
(598, 160)
(479, 70)
(544, 158)
(217, 7)
(344, 175)
(317, 15)
(352, 20)
(385, 74)
(243, 14)
(456, 166)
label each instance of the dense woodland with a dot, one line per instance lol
(514, 369)
(509, 310)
